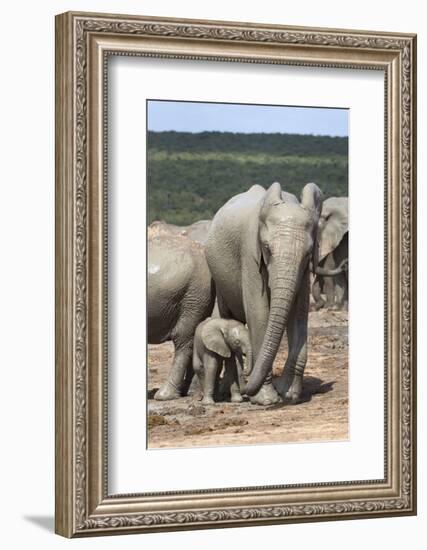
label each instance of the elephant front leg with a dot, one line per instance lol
(257, 311)
(316, 291)
(340, 292)
(329, 283)
(231, 380)
(289, 384)
(196, 387)
(211, 366)
(177, 382)
(329, 288)
(267, 395)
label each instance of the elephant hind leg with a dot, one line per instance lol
(198, 380)
(180, 375)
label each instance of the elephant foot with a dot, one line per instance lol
(267, 395)
(236, 398)
(166, 393)
(208, 400)
(318, 305)
(195, 388)
(289, 387)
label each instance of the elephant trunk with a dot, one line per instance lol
(331, 272)
(282, 297)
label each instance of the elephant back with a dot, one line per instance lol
(174, 261)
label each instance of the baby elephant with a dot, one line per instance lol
(216, 340)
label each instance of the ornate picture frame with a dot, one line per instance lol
(83, 43)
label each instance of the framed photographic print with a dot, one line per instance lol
(235, 274)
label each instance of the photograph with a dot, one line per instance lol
(247, 274)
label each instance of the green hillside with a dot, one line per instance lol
(191, 175)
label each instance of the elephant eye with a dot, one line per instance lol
(237, 342)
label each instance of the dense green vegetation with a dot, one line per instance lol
(191, 175)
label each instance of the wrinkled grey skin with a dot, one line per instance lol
(217, 341)
(258, 250)
(197, 231)
(180, 295)
(333, 250)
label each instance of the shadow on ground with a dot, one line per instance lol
(44, 522)
(312, 386)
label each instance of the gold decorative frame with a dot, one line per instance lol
(83, 42)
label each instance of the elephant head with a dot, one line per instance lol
(224, 336)
(287, 241)
(333, 224)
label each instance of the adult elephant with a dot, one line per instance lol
(333, 251)
(180, 295)
(259, 248)
(197, 231)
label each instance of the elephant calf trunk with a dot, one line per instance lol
(248, 363)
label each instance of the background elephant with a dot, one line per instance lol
(197, 231)
(180, 295)
(217, 340)
(258, 250)
(333, 250)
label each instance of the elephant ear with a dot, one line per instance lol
(335, 226)
(272, 197)
(213, 339)
(311, 199)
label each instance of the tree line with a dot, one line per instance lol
(191, 175)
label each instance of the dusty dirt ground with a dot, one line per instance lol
(321, 415)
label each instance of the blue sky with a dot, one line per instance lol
(183, 116)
